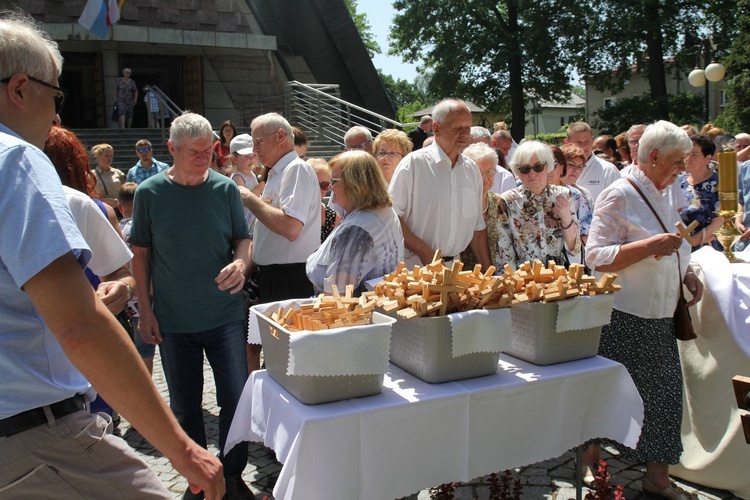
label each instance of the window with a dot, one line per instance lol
(609, 101)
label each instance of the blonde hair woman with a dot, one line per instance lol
(390, 147)
(368, 242)
(108, 179)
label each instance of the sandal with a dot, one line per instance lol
(671, 492)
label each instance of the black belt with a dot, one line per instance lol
(32, 418)
(277, 267)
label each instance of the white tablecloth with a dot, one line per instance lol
(716, 453)
(416, 435)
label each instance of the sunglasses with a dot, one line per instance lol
(325, 185)
(59, 98)
(538, 168)
(143, 150)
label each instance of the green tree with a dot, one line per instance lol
(364, 28)
(736, 114)
(618, 117)
(494, 53)
(616, 38)
(400, 91)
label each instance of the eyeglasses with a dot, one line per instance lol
(258, 141)
(578, 166)
(382, 154)
(635, 142)
(361, 146)
(59, 98)
(143, 150)
(538, 168)
(325, 185)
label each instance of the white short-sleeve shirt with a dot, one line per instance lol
(504, 181)
(108, 251)
(293, 187)
(597, 175)
(440, 204)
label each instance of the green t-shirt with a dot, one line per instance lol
(191, 231)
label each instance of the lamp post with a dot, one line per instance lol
(714, 72)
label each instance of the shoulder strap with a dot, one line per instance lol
(106, 191)
(648, 203)
(679, 265)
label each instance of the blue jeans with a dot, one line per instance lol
(182, 360)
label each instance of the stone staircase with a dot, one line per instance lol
(123, 142)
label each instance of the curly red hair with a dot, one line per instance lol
(70, 159)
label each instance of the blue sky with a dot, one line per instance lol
(380, 15)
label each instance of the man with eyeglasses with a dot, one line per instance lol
(437, 192)
(56, 335)
(147, 165)
(358, 138)
(598, 174)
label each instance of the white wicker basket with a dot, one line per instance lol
(312, 390)
(536, 339)
(423, 347)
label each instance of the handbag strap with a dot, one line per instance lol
(106, 192)
(648, 203)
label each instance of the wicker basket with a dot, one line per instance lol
(423, 347)
(312, 390)
(536, 340)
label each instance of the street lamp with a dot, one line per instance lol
(714, 72)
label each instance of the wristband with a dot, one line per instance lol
(568, 226)
(130, 295)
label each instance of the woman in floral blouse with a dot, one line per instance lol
(486, 160)
(536, 219)
(700, 185)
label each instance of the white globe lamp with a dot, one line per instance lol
(714, 72)
(697, 77)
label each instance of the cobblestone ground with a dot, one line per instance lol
(552, 479)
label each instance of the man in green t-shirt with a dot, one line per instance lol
(191, 242)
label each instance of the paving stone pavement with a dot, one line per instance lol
(551, 479)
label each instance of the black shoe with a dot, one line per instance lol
(237, 489)
(189, 495)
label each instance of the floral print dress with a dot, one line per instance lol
(703, 201)
(529, 229)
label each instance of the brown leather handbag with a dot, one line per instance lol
(683, 323)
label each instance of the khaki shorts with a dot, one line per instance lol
(74, 457)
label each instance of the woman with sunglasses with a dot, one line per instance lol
(329, 218)
(368, 243)
(536, 219)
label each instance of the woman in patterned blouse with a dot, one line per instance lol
(536, 219)
(486, 160)
(700, 185)
(368, 243)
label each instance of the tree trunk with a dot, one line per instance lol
(515, 72)
(655, 48)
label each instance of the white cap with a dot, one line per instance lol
(241, 145)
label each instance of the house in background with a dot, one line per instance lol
(677, 83)
(545, 118)
(225, 59)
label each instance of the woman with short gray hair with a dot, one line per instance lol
(536, 219)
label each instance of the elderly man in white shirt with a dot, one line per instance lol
(597, 174)
(437, 192)
(287, 229)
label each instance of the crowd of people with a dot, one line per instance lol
(173, 249)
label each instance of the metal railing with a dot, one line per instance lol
(320, 109)
(168, 109)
